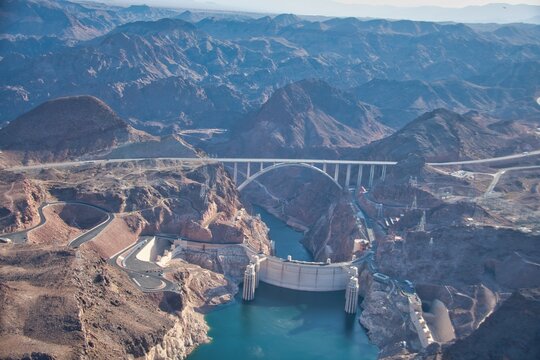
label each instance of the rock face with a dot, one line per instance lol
(332, 236)
(22, 198)
(469, 269)
(64, 306)
(81, 126)
(308, 201)
(402, 101)
(307, 119)
(66, 128)
(71, 305)
(443, 135)
(511, 332)
(385, 316)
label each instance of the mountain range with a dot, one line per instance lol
(169, 73)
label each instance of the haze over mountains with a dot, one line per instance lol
(312, 86)
(174, 71)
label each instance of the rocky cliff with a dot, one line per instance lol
(312, 203)
(78, 305)
(511, 332)
(81, 126)
(443, 135)
(307, 119)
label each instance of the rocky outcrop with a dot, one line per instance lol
(65, 222)
(511, 332)
(332, 236)
(20, 202)
(307, 119)
(311, 203)
(466, 272)
(81, 127)
(443, 135)
(202, 290)
(67, 306)
(66, 128)
(198, 203)
(385, 314)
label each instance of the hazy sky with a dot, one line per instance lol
(443, 3)
(391, 9)
(286, 3)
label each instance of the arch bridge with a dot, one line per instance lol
(343, 173)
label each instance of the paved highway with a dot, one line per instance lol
(146, 275)
(489, 160)
(259, 160)
(197, 161)
(501, 172)
(20, 237)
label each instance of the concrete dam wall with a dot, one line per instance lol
(304, 276)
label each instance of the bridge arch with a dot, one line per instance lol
(281, 165)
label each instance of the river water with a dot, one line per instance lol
(284, 324)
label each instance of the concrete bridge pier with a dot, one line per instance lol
(359, 177)
(248, 292)
(351, 293)
(235, 173)
(383, 174)
(248, 171)
(371, 175)
(336, 173)
(348, 175)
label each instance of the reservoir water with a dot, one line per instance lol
(286, 238)
(284, 324)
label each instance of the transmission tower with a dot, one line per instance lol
(422, 224)
(379, 211)
(414, 205)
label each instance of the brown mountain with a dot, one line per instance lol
(307, 118)
(71, 127)
(511, 332)
(443, 135)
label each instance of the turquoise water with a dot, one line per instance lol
(287, 239)
(284, 324)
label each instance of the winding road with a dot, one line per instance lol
(147, 276)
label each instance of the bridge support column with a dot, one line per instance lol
(348, 176)
(336, 173)
(351, 293)
(248, 293)
(371, 175)
(235, 173)
(383, 174)
(248, 172)
(324, 167)
(262, 167)
(359, 177)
